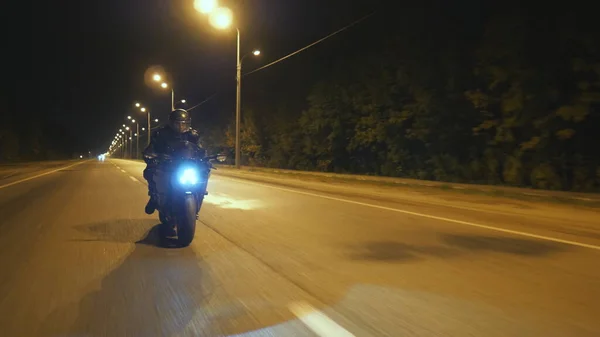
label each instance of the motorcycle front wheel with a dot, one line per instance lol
(186, 221)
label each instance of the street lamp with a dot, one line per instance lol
(142, 109)
(137, 142)
(205, 6)
(129, 142)
(158, 78)
(222, 18)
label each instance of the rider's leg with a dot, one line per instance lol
(152, 204)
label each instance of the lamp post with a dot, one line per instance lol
(222, 18)
(137, 140)
(149, 126)
(158, 78)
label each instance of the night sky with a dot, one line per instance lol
(88, 58)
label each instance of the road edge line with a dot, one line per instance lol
(439, 218)
(40, 175)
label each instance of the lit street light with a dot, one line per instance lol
(137, 143)
(142, 109)
(183, 101)
(128, 117)
(222, 18)
(205, 6)
(156, 120)
(137, 105)
(164, 85)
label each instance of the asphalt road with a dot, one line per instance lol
(78, 257)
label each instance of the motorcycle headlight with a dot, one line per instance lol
(188, 177)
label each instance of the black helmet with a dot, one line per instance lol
(180, 121)
(181, 105)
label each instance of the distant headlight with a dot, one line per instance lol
(189, 176)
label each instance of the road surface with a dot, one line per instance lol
(78, 257)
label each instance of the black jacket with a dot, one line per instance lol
(162, 139)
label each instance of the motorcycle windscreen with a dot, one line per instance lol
(186, 150)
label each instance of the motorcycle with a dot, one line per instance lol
(181, 181)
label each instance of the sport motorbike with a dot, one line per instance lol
(181, 180)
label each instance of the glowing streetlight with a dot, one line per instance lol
(183, 101)
(133, 121)
(127, 128)
(164, 85)
(143, 129)
(137, 105)
(157, 77)
(120, 130)
(128, 117)
(205, 6)
(156, 120)
(143, 109)
(221, 18)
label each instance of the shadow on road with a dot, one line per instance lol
(503, 244)
(153, 292)
(453, 245)
(389, 251)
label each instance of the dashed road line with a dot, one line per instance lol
(317, 321)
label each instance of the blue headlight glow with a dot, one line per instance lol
(188, 176)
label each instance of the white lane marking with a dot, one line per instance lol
(40, 175)
(460, 222)
(123, 171)
(317, 321)
(132, 178)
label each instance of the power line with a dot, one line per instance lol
(312, 44)
(293, 53)
(206, 100)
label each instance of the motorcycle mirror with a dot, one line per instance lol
(221, 158)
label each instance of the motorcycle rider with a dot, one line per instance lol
(178, 129)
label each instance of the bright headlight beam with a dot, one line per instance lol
(189, 176)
